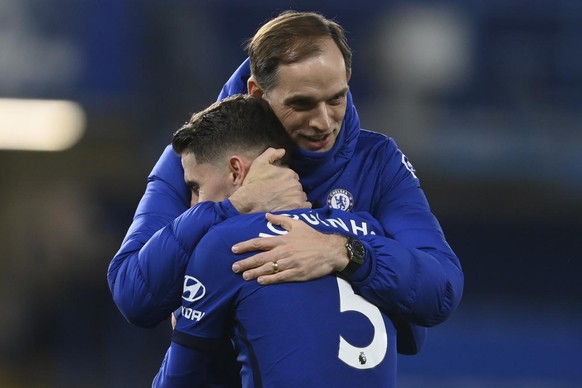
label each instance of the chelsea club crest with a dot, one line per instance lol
(340, 199)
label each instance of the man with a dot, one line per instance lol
(301, 64)
(285, 337)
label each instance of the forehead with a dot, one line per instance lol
(320, 75)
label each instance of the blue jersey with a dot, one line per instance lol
(311, 334)
(412, 273)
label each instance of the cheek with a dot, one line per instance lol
(291, 120)
(294, 122)
(338, 113)
(218, 191)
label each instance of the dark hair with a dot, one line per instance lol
(290, 37)
(240, 123)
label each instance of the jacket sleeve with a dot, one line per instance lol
(413, 273)
(183, 367)
(145, 276)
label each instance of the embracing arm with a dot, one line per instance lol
(413, 273)
(420, 284)
(147, 283)
(145, 276)
(416, 277)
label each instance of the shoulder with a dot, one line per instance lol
(232, 230)
(370, 140)
(382, 154)
(212, 258)
(378, 151)
(242, 224)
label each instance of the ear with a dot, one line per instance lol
(238, 169)
(253, 87)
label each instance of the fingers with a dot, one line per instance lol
(280, 220)
(265, 274)
(279, 277)
(258, 265)
(248, 264)
(270, 273)
(271, 155)
(255, 244)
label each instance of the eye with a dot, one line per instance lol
(194, 188)
(337, 100)
(301, 104)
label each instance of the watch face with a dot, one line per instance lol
(357, 249)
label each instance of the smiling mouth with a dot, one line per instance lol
(316, 142)
(317, 137)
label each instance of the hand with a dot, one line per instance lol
(301, 254)
(173, 321)
(268, 187)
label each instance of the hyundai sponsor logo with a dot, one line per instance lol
(193, 289)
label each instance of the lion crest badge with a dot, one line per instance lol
(340, 199)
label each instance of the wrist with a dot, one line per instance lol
(240, 202)
(339, 252)
(356, 253)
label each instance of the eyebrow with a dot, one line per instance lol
(309, 99)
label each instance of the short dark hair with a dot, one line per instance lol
(290, 37)
(240, 123)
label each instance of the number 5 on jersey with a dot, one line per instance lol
(373, 354)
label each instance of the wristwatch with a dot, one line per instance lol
(356, 255)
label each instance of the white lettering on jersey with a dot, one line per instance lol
(338, 223)
(276, 229)
(193, 315)
(362, 228)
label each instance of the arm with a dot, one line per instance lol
(201, 352)
(193, 362)
(330, 256)
(301, 254)
(183, 368)
(145, 274)
(412, 274)
(146, 283)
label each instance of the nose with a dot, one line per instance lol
(321, 119)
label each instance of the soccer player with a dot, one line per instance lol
(312, 334)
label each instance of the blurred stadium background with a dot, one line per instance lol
(485, 97)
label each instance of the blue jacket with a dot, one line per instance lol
(412, 274)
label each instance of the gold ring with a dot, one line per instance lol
(275, 267)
